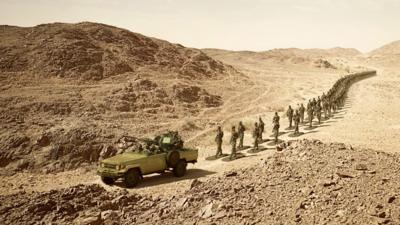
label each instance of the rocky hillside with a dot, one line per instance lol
(68, 91)
(307, 182)
(91, 51)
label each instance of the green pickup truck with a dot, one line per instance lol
(165, 152)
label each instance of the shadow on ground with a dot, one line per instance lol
(238, 156)
(280, 133)
(296, 135)
(212, 158)
(272, 143)
(167, 177)
(260, 149)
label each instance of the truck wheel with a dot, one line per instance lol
(132, 178)
(180, 168)
(173, 158)
(108, 180)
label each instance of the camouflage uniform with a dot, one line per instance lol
(319, 102)
(289, 114)
(275, 129)
(296, 119)
(261, 128)
(241, 130)
(301, 111)
(256, 135)
(233, 141)
(318, 113)
(218, 140)
(314, 102)
(326, 108)
(310, 112)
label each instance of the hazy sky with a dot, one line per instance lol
(228, 24)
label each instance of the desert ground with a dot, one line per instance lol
(193, 91)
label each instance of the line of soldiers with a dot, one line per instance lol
(328, 103)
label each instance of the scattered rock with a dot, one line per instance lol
(231, 174)
(343, 174)
(361, 166)
(207, 211)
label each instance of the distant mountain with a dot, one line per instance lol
(320, 58)
(390, 49)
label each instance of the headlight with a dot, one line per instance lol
(102, 165)
(121, 167)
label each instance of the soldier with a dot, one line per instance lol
(296, 119)
(233, 141)
(289, 114)
(261, 128)
(301, 111)
(329, 107)
(256, 135)
(323, 96)
(319, 102)
(309, 104)
(275, 129)
(241, 130)
(314, 102)
(335, 106)
(318, 113)
(218, 140)
(326, 106)
(310, 112)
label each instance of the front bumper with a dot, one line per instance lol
(104, 172)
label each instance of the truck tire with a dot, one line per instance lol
(132, 178)
(180, 168)
(173, 158)
(107, 180)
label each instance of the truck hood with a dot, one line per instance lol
(124, 157)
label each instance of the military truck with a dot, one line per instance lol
(164, 152)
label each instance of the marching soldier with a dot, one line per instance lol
(296, 119)
(326, 106)
(301, 111)
(310, 112)
(275, 129)
(233, 141)
(309, 104)
(256, 135)
(319, 102)
(241, 130)
(314, 102)
(218, 140)
(261, 128)
(318, 113)
(289, 114)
